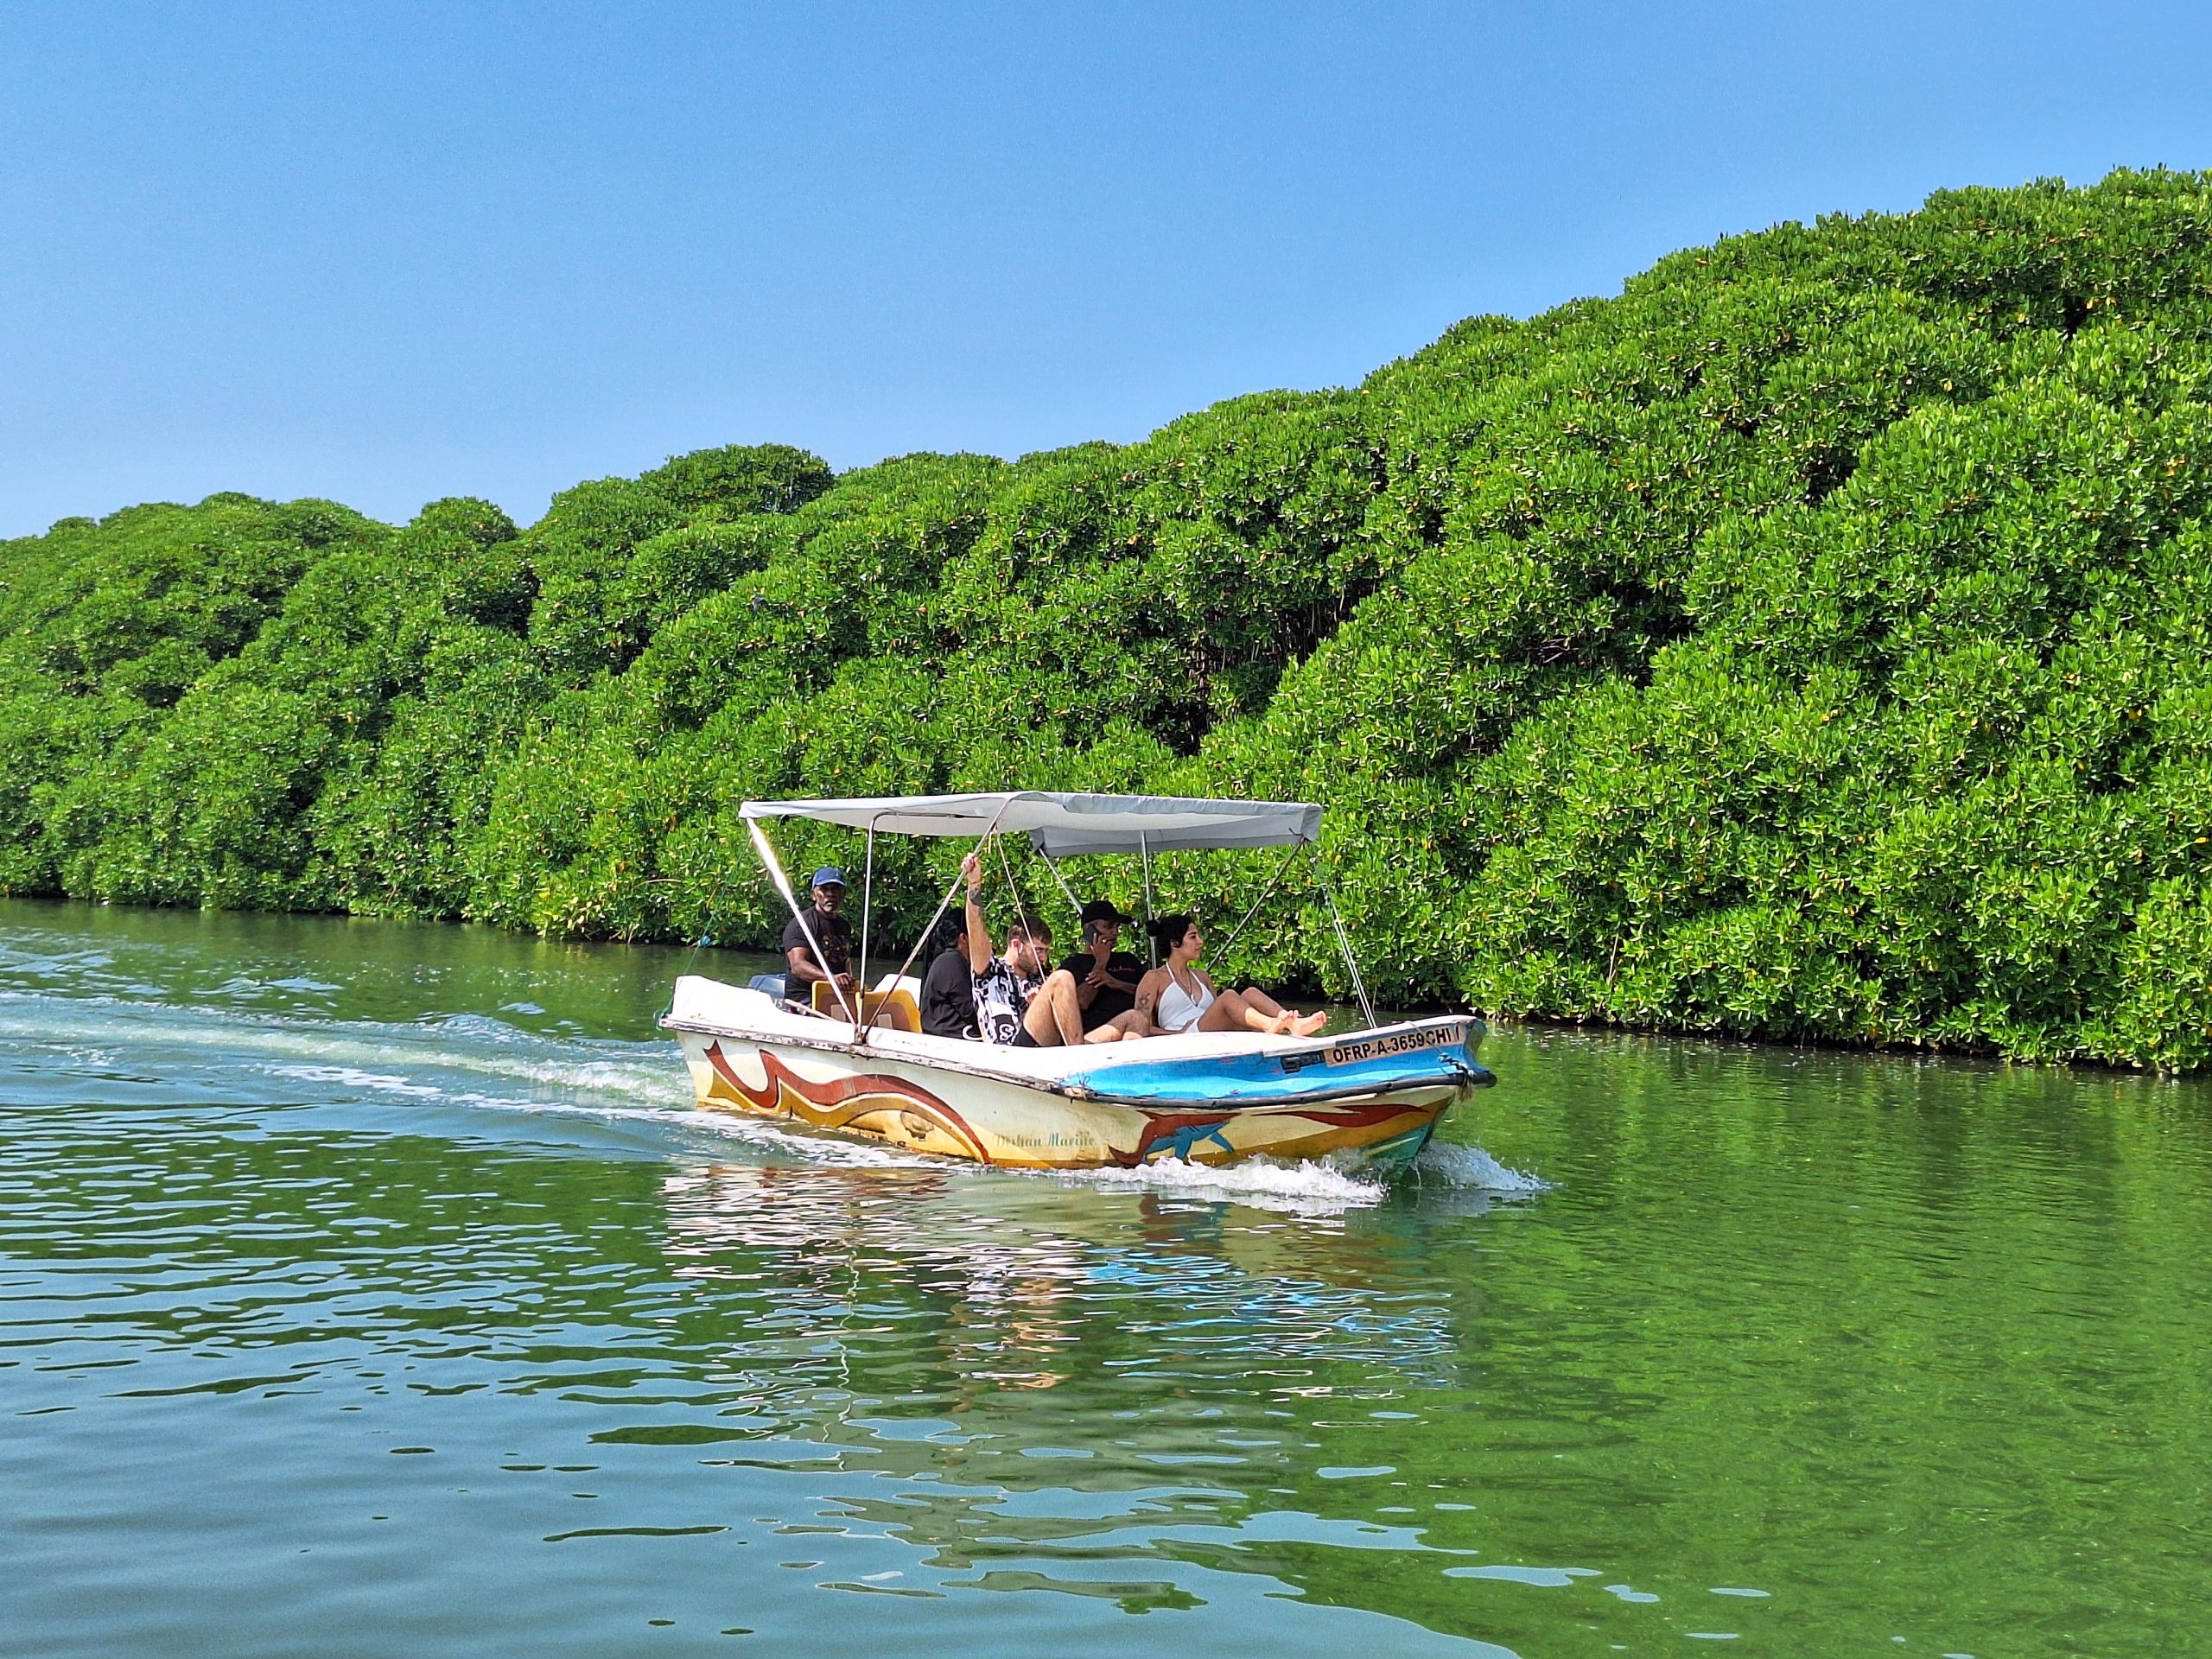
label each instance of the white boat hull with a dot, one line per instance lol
(1369, 1097)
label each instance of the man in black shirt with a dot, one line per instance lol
(948, 986)
(835, 935)
(1105, 979)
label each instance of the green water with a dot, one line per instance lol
(370, 1289)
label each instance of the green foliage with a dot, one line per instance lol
(1813, 642)
(741, 479)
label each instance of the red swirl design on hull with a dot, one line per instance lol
(835, 1102)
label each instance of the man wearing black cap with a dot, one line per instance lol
(1105, 979)
(831, 930)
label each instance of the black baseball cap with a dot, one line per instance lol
(1103, 909)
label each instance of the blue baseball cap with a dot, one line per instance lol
(828, 877)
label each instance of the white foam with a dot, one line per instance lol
(454, 1060)
(1471, 1166)
(1305, 1187)
(664, 1081)
(805, 1145)
(692, 1124)
(460, 1074)
(352, 1076)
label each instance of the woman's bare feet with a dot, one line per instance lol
(1279, 1025)
(1308, 1025)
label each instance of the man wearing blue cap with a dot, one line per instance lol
(831, 930)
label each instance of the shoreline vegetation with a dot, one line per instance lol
(1812, 643)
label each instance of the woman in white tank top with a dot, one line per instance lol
(1181, 1010)
(1177, 997)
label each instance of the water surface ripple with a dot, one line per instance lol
(370, 1288)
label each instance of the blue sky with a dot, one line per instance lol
(386, 253)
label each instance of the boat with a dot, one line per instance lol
(1367, 1099)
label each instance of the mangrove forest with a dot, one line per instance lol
(1812, 642)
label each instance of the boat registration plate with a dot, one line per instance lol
(1395, 1042)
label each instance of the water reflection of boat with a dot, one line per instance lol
(1019, 1274)
(1039, 1384)
(1374, 1095)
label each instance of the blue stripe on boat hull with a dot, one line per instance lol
(1264, 1077)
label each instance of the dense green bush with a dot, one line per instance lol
(1813, 641)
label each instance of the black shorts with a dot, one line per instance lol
(1023, 1039)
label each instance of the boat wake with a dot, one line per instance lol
(126, 1049)
(115, 1050)
(1302, 1188)
(1315, 1188)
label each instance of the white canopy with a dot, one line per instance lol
(1060, 823)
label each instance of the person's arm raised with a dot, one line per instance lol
(979, 928)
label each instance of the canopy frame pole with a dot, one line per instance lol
(1289, 852)
(929, 927)
(784, 886)
(1074, 903)
(868, 908)
(1012, 885)
(1150, 944)
(1344, 939)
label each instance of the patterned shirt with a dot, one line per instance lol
(1001, 997)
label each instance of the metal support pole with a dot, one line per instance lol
(784, 886)
(1074, 902)
(1012, 887)
(1150, 944)
(868, 907)
(930, 926)
(1344, 941)
(1281, 864)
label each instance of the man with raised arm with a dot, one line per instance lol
(1020, 1002)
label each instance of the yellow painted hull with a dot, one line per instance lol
(922, 1108)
